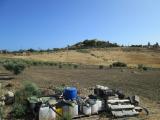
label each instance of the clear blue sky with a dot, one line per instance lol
(57, 23)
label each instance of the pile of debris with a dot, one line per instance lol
(69, 105)
(117, 104)
(7, 99)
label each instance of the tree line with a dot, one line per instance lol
(93, 43)
(86, 44)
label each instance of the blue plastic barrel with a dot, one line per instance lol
(70, 93)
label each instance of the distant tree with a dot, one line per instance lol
(136, 46)
(156, 45)
(49, 50)
(89, 43)
(20, 51)
(56, 49)
(4, 51)
(93, 43)
(31, 50)
(149, 45)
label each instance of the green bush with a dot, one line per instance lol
(59, 89)
(93, 55)
(55, 64)
(15, 67)
(50, 63)
(69, 64)
(19, 111)
(46, 63)
(60, 66)
(101, 66)
(75, 66)
(142, 67)
(35, 63)
(145, 68)
(29, 89)
(82, 50)
(110, 66)
(20, 106)
(9, 63)
(119, 64)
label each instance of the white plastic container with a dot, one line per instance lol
(75, 110)
(98, 86)
(106, 88)
(86, 110)
(71, 111)
(101, 87)
(66, 111)
(46, 113)
(94, 108)
(100, 107)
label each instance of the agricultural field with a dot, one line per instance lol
(86, 72)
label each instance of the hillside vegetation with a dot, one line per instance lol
(93, 43)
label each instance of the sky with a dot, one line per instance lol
(42, 24)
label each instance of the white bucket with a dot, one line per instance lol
(66, 111)
(94, 108)
(98, 86)
(86, 110)
(46, 113)
(106, 88)
(75, 110)
(100, 107)
(71, 111)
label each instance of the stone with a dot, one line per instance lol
(9, 94)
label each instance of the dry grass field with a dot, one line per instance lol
(132, 81)
(130, 56)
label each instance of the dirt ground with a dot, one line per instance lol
(146, 84)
